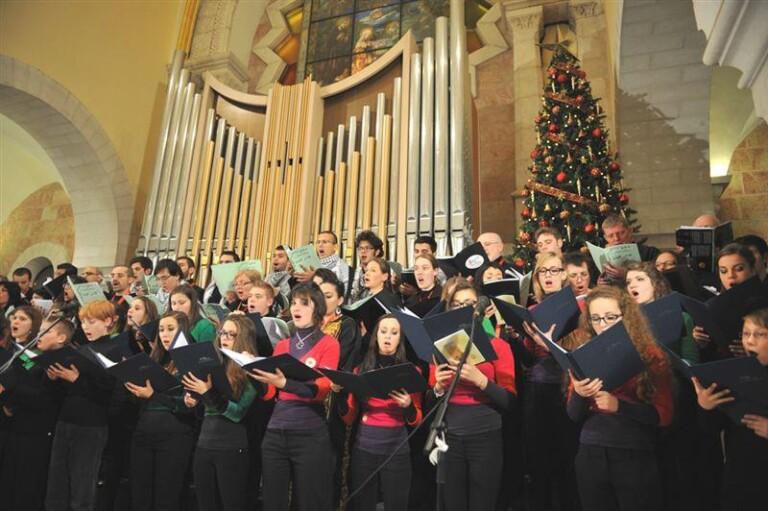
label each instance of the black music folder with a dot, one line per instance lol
(290, 366)
(685, 282)
(380, 382)
(368, 310)
(464, 263)
(610, 357)
(745, 377)
(666, 318)
(149, 330)
(409, 277)
(560, 309)
(81, 357)
(701, 244)
(721, 317)
(262, 342)
(519, 289)
(201, 359)
(422, 334)
(140, 368)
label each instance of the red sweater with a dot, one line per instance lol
(325, 353)
(383, 413)
(500, 371)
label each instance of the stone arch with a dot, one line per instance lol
(91, 170)
(40, 267)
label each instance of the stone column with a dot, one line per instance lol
(525, 26)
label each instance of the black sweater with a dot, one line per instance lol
(87, 399)
(31, 398)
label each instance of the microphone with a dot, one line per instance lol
(483, 302)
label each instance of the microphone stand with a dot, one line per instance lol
(438, 425)
(31, 344)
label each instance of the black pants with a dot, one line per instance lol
(551, 442)
(75, 459)
(158, 468)
(25, 471)
(221, 479)
(472, 468)
(114, 463)
(393, 481)
(304, 458)
(613, 479)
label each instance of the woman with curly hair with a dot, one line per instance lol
(616, 465)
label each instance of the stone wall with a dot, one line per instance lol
(745, 200)
(44, 221)
(663, 107)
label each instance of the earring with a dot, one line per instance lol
(338, 311)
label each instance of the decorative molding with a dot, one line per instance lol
(264, 48)
(493, 43)
(738, 38)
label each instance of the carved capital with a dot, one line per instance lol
(579, 9)
(527, 21)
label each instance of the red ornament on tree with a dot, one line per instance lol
(623, 198)
(579, 99)
(561, 177)
(582, 74)
(519, 262)
(589, 228)
(594, 172)
(524, 237)
(597, 133)
(553, 128)
(555, 109)
(543, 223)
(614, 166)
(561, 78)
(525, 213)
(534, 154)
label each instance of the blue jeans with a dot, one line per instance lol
(75, 460)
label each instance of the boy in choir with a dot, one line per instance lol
(578, 272)
(280, 278)
(140, 265)
(211, 294)
(548, 239)
(746, 444)
(23, 277)
(617, 231)
(189, 271)
(121, 279)
(367, 246)
(423, 245)
(169, 277)
(327, 245)
(81, 430)
(32, 407)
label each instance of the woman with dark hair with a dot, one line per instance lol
(297, 447)
(616, 466)
(184, 299)
(221, 464)
(10, 297)
(25, 323)
(142, 311)
(164, 435)
(335, 323)
(735, 265)
(473, 463)
(382, 426)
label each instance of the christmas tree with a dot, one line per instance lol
(575, 180)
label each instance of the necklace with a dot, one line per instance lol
(300, 342)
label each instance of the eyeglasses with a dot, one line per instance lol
(550, 271)
(608, 319)
(364, 248)
(227, 333)
(457, 305)
(758, 336)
